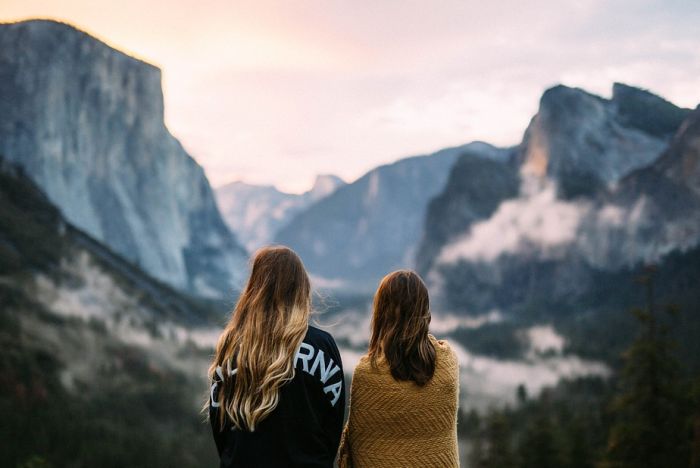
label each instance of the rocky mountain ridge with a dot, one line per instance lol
(365, 229)
(602, 186)
(584, 142)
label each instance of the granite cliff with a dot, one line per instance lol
(85, 121)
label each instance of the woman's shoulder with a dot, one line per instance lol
(319, 345)
(443, 345)
(364, 364)
(320, 339)
(316, 334)
(443, 349)
(366, 368)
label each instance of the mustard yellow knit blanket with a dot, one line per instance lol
(399, 424)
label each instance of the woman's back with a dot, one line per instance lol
(304, 429)
(277, 383)
(395, 423)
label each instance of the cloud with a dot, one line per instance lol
(537, 222)
(442, 323)
(487, 381)
(539, 226)
(543, 338)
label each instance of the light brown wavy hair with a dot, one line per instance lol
(262, 337)
(400, 327)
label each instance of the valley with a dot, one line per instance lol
(119, 263)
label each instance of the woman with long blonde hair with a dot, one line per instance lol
(404, 395)
(277, 395)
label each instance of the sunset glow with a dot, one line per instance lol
(277, 92)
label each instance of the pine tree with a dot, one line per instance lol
(695, 424)
(521, 394)
(649, 428)
(539, 447)
(477, 456)
(468, 424)
(578, 448)
(492, 447)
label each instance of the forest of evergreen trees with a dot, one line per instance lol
(646, 416)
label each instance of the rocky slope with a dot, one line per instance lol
(657, 208)
(475, 188)
(373, 225)
(256, 212)
(86, 123)
(603, 185)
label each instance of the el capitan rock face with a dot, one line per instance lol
(85, 121)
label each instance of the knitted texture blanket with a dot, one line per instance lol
(399, 424)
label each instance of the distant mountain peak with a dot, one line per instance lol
(646, 111)
(324, 185)
(256, 212)
(373, 224)
(561, 96)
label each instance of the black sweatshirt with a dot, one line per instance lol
(304, 429)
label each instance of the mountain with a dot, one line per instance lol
(657, 207)
(369, 227)
(324, 185)
(476, 186)
(677, 171)
(603, 185)
(256, 212)
(641, 109)
(89, 338)
(86, 123)
(584, 142)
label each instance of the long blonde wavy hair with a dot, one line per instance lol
(262, 337)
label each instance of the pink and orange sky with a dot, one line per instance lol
(277, 92)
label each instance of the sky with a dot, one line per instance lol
(275, 92)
